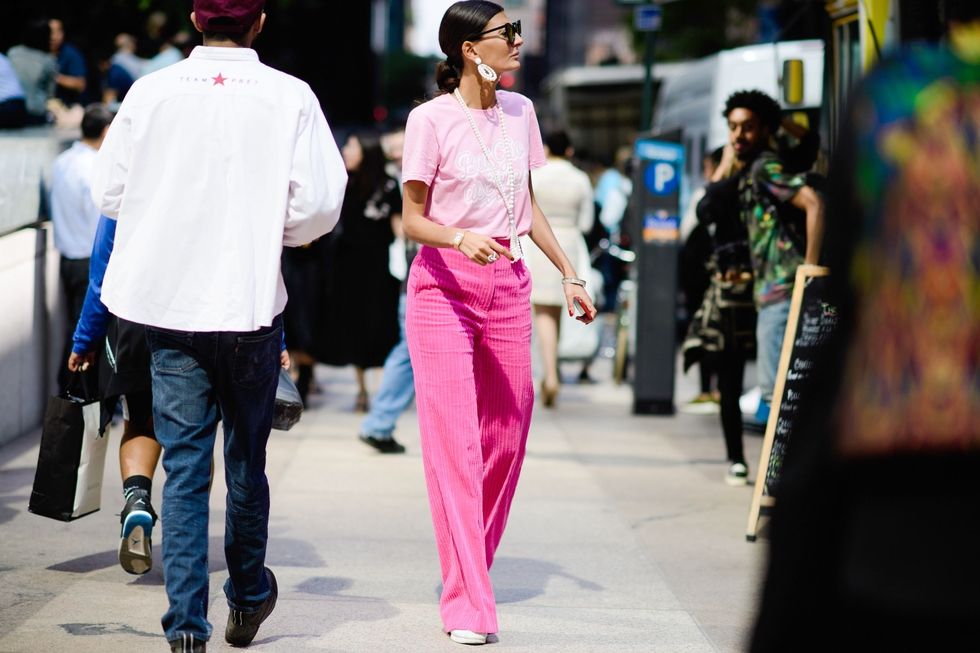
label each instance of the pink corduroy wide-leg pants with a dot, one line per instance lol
(469, 337)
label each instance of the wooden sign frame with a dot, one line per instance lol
(803, 274)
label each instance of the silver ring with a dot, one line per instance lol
(493, 257)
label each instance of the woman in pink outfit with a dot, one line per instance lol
(467, 199)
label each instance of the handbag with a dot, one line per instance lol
(289, 405)
(71, 460)
(726, 319)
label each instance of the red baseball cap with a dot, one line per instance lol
(227, 16)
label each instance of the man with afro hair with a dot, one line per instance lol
(782, 214)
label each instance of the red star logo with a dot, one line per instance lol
(219, 80)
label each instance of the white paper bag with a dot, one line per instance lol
(91, 463)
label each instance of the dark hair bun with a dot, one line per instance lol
(447, 77)
(463, 21)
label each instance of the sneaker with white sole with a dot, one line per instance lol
(467, 637)
(738, 474)
(136, 537)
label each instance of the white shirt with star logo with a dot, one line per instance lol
(211, 166)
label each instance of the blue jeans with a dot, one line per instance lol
(397, 387)
(769, 331)
(198, 379)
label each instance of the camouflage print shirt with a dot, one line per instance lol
(777, 230)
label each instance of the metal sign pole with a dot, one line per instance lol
(650, 41)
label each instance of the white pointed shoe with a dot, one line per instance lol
(467, 637)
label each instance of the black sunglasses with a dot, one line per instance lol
(511, 31)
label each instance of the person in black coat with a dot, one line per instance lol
(360, 306)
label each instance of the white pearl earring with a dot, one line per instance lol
(486, 72)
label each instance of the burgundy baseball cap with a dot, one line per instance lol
(227, 16)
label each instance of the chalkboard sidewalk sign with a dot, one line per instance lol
(811, 321)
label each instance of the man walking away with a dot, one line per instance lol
(212, 166)
(76, 218)
(397, 390)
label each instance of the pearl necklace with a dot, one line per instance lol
(511, 186)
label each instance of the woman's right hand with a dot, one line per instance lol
(481, 249)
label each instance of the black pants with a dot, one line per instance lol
(731, 368)
(707, 371)
(13, 113)
(74, 281)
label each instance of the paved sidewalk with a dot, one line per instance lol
(623, 537)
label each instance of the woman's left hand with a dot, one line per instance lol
(578, 299)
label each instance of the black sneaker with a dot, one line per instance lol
(136, 545)
(243, 626)
(384, 445)
(187, 643)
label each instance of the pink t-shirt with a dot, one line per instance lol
(442, 151)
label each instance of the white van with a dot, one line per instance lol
(693, 102)
(600, 106)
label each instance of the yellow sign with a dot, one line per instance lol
(874, 14)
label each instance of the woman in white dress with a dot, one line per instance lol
(564, 194)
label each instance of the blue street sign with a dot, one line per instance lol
(647, 18)
(652, 150)
(664, 163)
(662, 178)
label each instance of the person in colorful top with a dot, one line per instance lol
(783, 215)
(468, 198)
(876, 531)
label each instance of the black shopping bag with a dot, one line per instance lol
(68, 480)
(289, 406)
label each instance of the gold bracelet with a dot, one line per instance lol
(575, 281)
